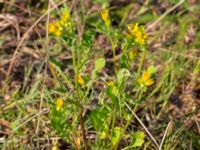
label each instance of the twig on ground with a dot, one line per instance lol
(164, 15)
(164, 136)
(138, 119)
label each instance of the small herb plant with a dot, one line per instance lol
(89, 106)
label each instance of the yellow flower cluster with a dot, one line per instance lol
(137, 32)
(81, 80)
(105, 17)
(56, 28)
(59, 104)
(146, 79)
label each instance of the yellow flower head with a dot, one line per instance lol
(52, 28)
(145, 79)
(105, 17)
(65, 17)
(55, 28)
(64, 23)
(133, 28)
(65, 14)
(59, 103)
(58, 33)
(137, 33)
(81, 80)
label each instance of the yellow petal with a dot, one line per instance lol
(59, 104)
(149, 82)
(133, 28)
(136, 27)
(58, 33)
(51, 28)
(105, 16)
(65, 17)
(145, 76)
(80, 80)
(77, 141)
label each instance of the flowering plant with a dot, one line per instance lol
(73, 116)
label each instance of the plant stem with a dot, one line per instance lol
(114, 53)
(141, 62)
(129, 121)
(113, 124)
(139, 95)
(75, 67)
(82, 122)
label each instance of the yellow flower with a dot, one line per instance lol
(105, 16)
(57, 23)
(55, 28)
(58, 33)
(132, 28)
(138, 37)
(65, 15)
(145, 79)
(80, 80)
(52, 28)
(59, 103)
(137, 33)
(64, 19)
(63, 24)
(149, 82)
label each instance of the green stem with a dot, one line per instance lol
(82, 122)
(129, 121)
(141, 62)
(75, 68)
(113, 124)
(114, 53)
(139, 95)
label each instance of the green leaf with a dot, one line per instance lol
(124, 61)
(151, 69)
(88, 38)
(122, 76)
(56, 62)
(112, 92)
(116, 136)
(99, 118)
(137, 139)
(99, 64)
